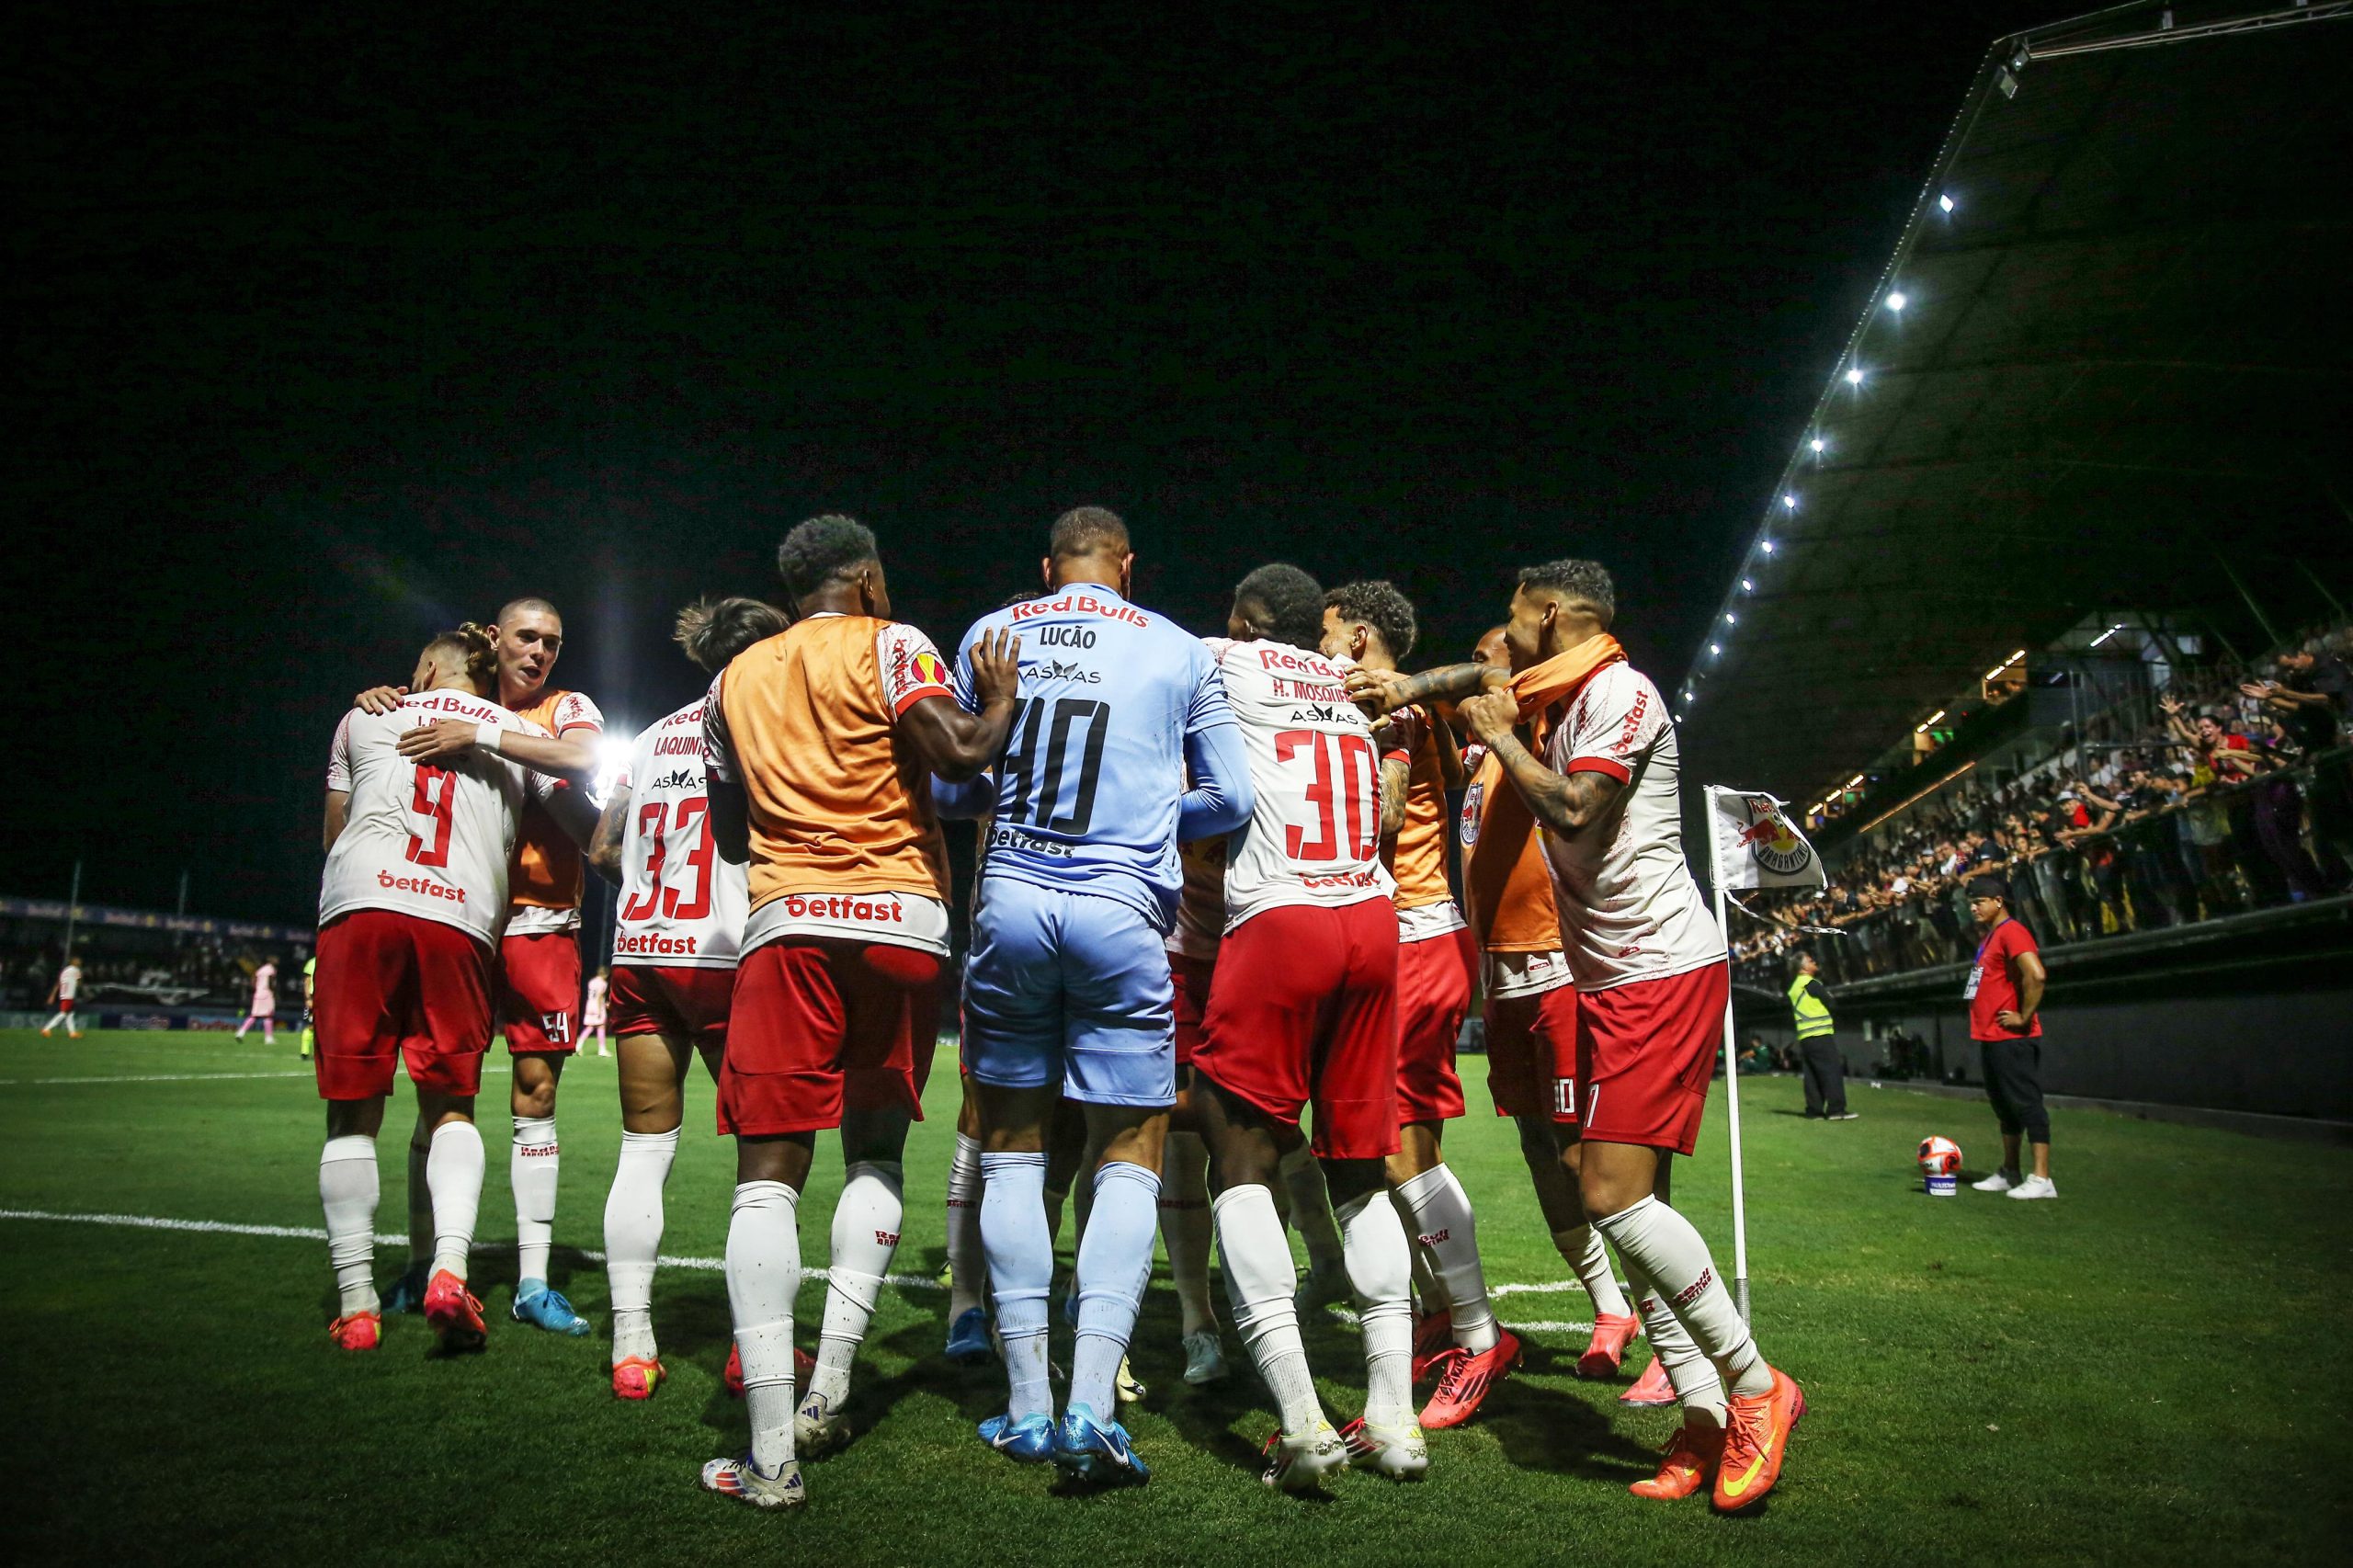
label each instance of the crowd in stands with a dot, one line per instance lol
(199, 971)
(2232, 791)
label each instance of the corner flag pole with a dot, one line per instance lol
(1731, 1072)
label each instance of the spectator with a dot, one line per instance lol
(2004, 996)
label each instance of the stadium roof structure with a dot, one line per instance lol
(2106, 368)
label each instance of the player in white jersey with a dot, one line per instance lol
(262, 1009)
(679, 923)
(1304, 1009)
(413, 899)
(1651, 979)
(61, 995)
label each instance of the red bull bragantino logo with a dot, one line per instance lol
(1770, 837)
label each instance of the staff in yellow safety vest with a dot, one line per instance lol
(1825, 1068)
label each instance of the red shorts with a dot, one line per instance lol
(1532, 1054)
(538, 993)
(821, 1025)
(398, 985)
(65, 1005)
(672, 1000)
(1305, 1011)
(1191, 979)
(1645, 1052)
(1433, 998)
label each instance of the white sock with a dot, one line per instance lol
(866, 1234)
(763, 1274)
(420, 1197)
(1259, 1280)
(1674, 1258)
(348, 1188)
(1021, 1275)
(1186, 1227)
(531, 1172)
(633, 1237)
(968, 1269)
(269, 1034)
(453, 1170)
(1448, 1231)
(1692, 1375)
(1580, 1248)
(1114, 1262)
(1310, 1209)
(1380, 1271)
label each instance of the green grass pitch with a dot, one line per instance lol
(2149, 1367)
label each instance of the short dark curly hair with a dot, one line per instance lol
(714, 632)
(821, 548)
(1292, 600)
(1379, 605)
(1580, 582)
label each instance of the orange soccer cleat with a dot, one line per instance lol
(1651, 1390)
(636, 1377)
(1756, 1436)
(1692, 1458)
(804, 1366)
(358, 1331)
(1433, 1343)
(1468, 1379)
(454, 1313)
(1611, 1332)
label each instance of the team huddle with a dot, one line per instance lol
(1213, 894)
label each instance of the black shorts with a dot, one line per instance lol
(2013, 1083)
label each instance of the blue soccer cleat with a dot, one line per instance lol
(1030, 1440)
(541, 1307)
(968, 1339)
(407, 1294)
(1097, 1452)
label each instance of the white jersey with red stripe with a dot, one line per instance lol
(681, 906)
(1629, 908)
(427, 839)
(1314, 836)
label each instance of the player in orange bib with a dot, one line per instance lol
(537, 981)
(820, 744)
(1458, 1340)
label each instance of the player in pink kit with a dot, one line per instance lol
(677, 930)
(1304, 1009)
(264, 1008)
(414, 896)
(592, 1013)
(1651, 977)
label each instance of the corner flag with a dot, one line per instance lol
(1757, 845)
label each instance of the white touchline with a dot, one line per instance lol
(904, 1281)
(186, 1077)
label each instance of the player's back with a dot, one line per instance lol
(680, 905)
(429, 839)
(1314, 830)
(1093, 772)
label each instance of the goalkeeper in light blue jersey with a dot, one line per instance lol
(1067, 991)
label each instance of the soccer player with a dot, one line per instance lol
(539, 955)
(819, 744)
(309, 1004)
(1066, 994)
(1370, 624)
(679, 922)
(412, 899)
(1304, 1009)
(592, 1011)
(262, 1009)
(62, 993)
(1531, 1010)
(1651, 977)
(1186, 1227)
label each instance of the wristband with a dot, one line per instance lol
(486, 736)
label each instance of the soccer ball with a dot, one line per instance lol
(1940, 1157)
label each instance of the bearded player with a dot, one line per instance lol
(413, 897)
(1530, 1013)
(819, 744)
(1371, 625)
(539, 956)
(678, 923)
(1651, 972)
(1304, 1010)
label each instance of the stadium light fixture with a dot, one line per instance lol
(1922, 728)
(1851, 783)
(1854, 375)
(1896, 301)
(2005, 664)
(1818, 444)
(2106, 634)
(1730, 619)
(1746, 586)
(1945, 202)
(1788, 501)
(1768, 547)
(1715, 650)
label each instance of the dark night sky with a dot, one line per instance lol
(333, 330)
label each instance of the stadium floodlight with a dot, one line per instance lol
(1945, 202)
(1788, 501)
(1746, 586)
(1768, 547)
(1851, 783)
(2106, 634)
(1715, 650)
(1730, 619)
(1817, 444)
(1896, 301)
(2005, 664)
(1854, 375)
(1922, 728)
